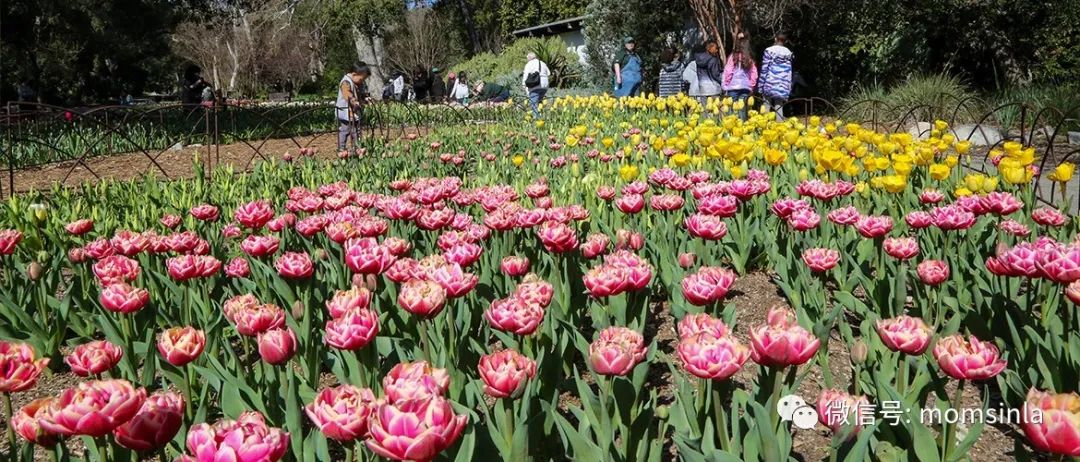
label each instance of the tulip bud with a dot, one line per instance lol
(298, 310)
(686, 260)
(320, 255)
(34, 271)
(40, 212)
(858, 352)
(662, 412)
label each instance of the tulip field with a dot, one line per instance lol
(556, 289)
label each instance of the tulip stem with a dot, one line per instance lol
(902, 383)
(949, 435)
(10, 429)
(508, 431)
(425, 342)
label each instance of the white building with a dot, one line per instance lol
(569, 30)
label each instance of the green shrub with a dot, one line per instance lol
(917, 98)
(505, 67)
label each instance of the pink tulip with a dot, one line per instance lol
(616, 351)
(666, 202)
(238, 268)
(630, 203)
(702, 323)
(708, 285)
(9, 238)
(506, 373)
(79, 227)
(784, 207)
(93, 358)
(414, 430)
(344, 301)
(820, 260)
(19, 370)
(905, 334)
(557, 237)
(838, 410)
(294, 265)
(156, 423)
(710, 357)
(514, 315)
(342, 412)
(187, 267)
(353, 330)
(595, 245)
(170, 221)
(803, 219)
(1072, 291)
(514, 266)
(720, 205)
(247, 439)
(1061, 265)
(416, 380)
(260, 246)
(181, 345)
(606, 193)
(204, 212)
(933, 272)
(534, 290)
(1052, 422)
(969, 359)
(422, 298)
(1000, 203)
(276, 346)
(845, 216)
(605, 281)
(687, 260)
(901, 248)
(93, 408)
(398, 247)
(951, 217)
(129, 243)
(918, 219)
(455, 281)
(1014, 227)
(874, 226)
(1047, 216)
(931, 196)
(707, 227)
(116, 268)
(122, 298)
(782, 343)
(367, 256)
(25, 422)
(255, 214)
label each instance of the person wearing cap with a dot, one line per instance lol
(438, 87)
(627, 67)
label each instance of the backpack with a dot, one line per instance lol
(533, 79)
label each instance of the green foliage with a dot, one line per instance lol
(505, 67)
(654, 24)
(930, 96)
(496, 19)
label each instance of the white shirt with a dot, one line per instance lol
(536, 66)
(399, 85)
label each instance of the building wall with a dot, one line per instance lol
(575, 43)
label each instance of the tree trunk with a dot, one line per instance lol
(367, 50)
(470, 25)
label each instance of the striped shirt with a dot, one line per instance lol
(670, 79)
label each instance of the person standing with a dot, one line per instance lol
(438, 87)
(627, 67)
(193, 86)
(399, 86)
(671, 73)
(459, 93)
(451, 82)
(776, 76)
(420, 84)
(740, 76)
(349, 99)
(710, 72)
(535, 80)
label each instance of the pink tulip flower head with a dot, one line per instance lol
(968, 359)
(181, 345)
(616, 351)
(414, 430)
(19, 370)
(341, 413)
(904, 334)
(93, 358)
(353, 330)
(1051, 422)
(933, 272)
(506, 373)
(820, 260)
(93, 408)
(837, 410)
(416, 380)
(156, 423)
(246, 439)
(25, 422)
(781, 342)
(276, 346)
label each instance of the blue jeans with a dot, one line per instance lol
(535, 96)
(739, 95)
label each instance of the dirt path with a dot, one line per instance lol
(179, 163)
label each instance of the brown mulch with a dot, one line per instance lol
(179, 163)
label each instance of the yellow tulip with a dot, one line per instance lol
(775, 157)
(1063, 172)
(962, 147)
(518, 160)
(939, 171)
(628, 172)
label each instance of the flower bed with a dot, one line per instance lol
(493, 291)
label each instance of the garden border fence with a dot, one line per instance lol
(211, 127)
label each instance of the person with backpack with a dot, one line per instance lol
(776, 76)
(627, 67)
(349, 99)
(671, 73)
(740, 75)
(710, 72)
(438, 87)
(535, 80)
